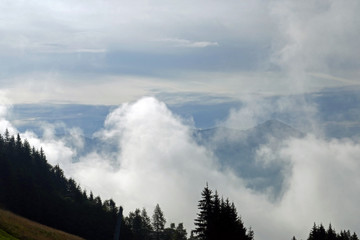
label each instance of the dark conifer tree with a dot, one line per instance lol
(251, 234)
(218, 219)
(135, 222)
(312, 234)
(180, 232)
(18, 142)
(354, 237)
(27, 148)
(7, 135)
(146, 224)
(344, 235)
(158, 222)
(319, 233)
(331, 233)
(202, 222)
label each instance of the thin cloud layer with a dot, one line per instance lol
(298, 111)
(290, 47)
(187, 43)
(316, 37)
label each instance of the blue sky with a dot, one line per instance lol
(159, 68)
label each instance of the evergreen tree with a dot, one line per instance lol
(7, 135)
(18, 142)
(169, 233)
(331, 233)
(174, 233)
(135, 222)
(251, 234)
(354, 237)
(146, 225)
(344, 235)
(203, 221)
(180, 232)
(2, 141)
(319, 233)
(146, 222)
(218, 219)
(192, 235)
(158, 221)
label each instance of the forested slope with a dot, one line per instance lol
(32, 188)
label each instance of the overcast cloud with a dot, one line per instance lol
(229, 48)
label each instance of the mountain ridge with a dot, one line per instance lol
(237, 150)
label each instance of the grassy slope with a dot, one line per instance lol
(5, 236)
(14, 227)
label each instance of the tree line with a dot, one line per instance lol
(144, 228)
(218, 219)
(318, 232)
(31, 187)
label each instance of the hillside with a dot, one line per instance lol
(14, 227)
(34, 189)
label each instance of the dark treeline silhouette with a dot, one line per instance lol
(32, 188)
(218, 219)
(144, 228)
(320, 233)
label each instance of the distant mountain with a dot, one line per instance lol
(270, 128)
(236, 149)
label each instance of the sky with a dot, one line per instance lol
(110, 52)
(145, 58)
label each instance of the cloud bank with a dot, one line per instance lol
(157, 161)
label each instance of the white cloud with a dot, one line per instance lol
(157, 161)
(5, 107)
(316, 36)
(321, 184)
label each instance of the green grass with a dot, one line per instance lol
(14, 227)
(5, 236)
